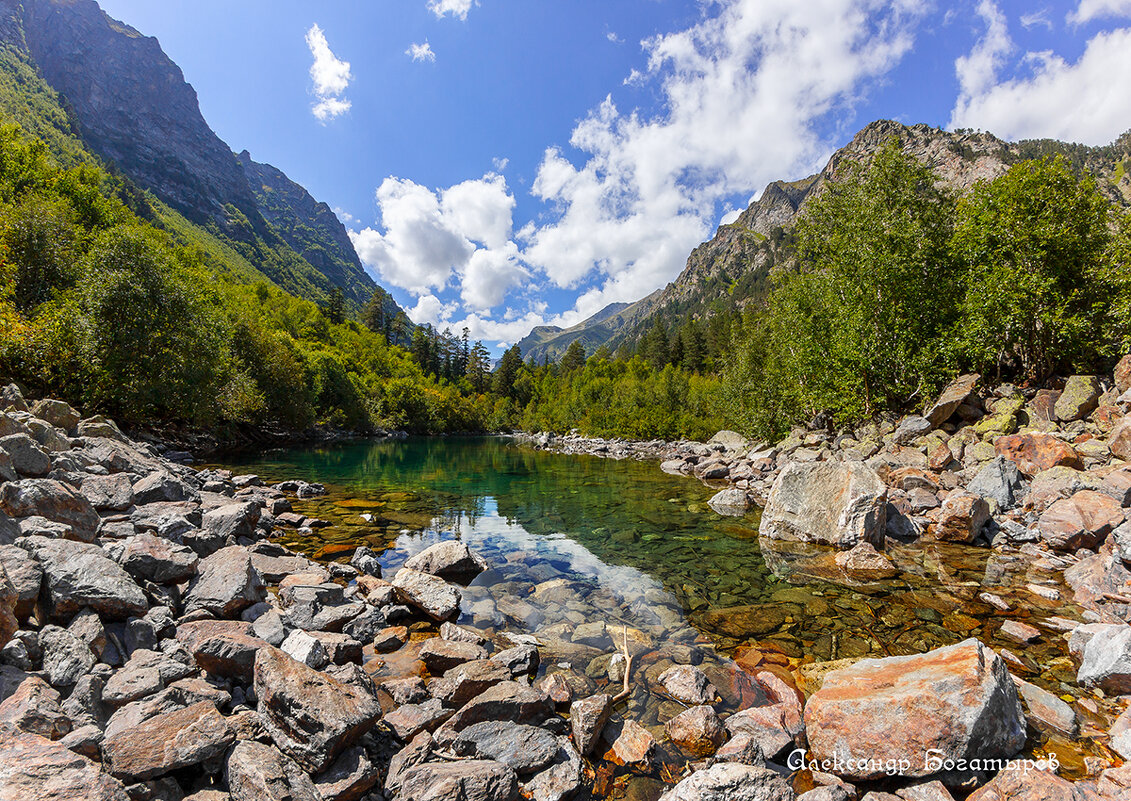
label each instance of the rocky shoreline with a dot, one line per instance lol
(157, 645)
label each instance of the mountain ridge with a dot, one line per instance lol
(734, 266)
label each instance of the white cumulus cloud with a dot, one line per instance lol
(1085, 101)
(456, 8)
(331, 77)
(430, 237)
(420, 52)
(1095, 9)
(744, 90)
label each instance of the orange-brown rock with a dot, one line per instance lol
(1119, 440)
(909, 478)
(961, 517)
(698, 731)
(167, 742)
(1026, 785)
(1122, 374)
(1081, 521)
(33, 767)
(224, 648)
(1106, 416)
(951, 398)
(958, 702)
(1034, 451)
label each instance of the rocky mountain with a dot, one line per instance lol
(733, 267)
(551, 342)
(131, 106)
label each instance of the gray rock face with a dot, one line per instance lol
(78, 575)
(524, 749)
(731, 781)
(65, 657)
(1106, 659)
(507, 701)
(226, 583)
(474, 780)
(828, 503)
(1000, 481)
(27, 458)
(53, 500)
(587, 718)
(161, 487)
(430, 594)
(910, 429)
(112, 493)
(688, 684)
(232, 520)
(258, 772)
(450, 560)
(310, 716)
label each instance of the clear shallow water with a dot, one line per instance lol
(574, 541)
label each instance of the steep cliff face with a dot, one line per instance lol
(134, 107)
(130, 105)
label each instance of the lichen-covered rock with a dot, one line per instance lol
(829, 503)
(1080, 395)
(958, 701)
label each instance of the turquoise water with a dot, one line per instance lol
(577, 540)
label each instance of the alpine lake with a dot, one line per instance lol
(589, 554)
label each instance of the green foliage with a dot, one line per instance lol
(900, 288)
(1031, 245)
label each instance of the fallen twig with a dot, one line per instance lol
(623, 694)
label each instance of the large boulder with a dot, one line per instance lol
(473, 780)
(26, 576)
(151, 558)
(951, 398)
(57, 413)
(166, 742)
(1028, 784)
(449, 560)
(78, 575)
(999, 480)
(311, 716)
(1105, 660)
(53, 500)
(828, 503)
(226, 583)
(731, 781)
(1035, 451)
(1080, 395)
(27, 458)
(1119, 440)
(223, 648)
(109, 493)
(8, 600)
(1081, 521)
(33, 767)
(961, 518)
(956, 702)
(258, 772)
(430, 594)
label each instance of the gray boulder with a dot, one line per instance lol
(450, 560)
(430, 594)
(999, 480)
(27, 458)
(78, 575)
(150, 558)
(731, 781)
(66, 658)
(730, 502)
(110, 493)
(910, 429)
(26, 576)
(827, 503)
(258, 772)
(53, 500)
(162, 487)
(474, 780)
(1106, 659)
(226, 583)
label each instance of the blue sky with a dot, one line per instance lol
(507, 163)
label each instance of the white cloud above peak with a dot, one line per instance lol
(1085, 101)
(421, 52)
(331, 76)
(458, 9)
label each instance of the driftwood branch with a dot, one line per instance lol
(623, 694)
